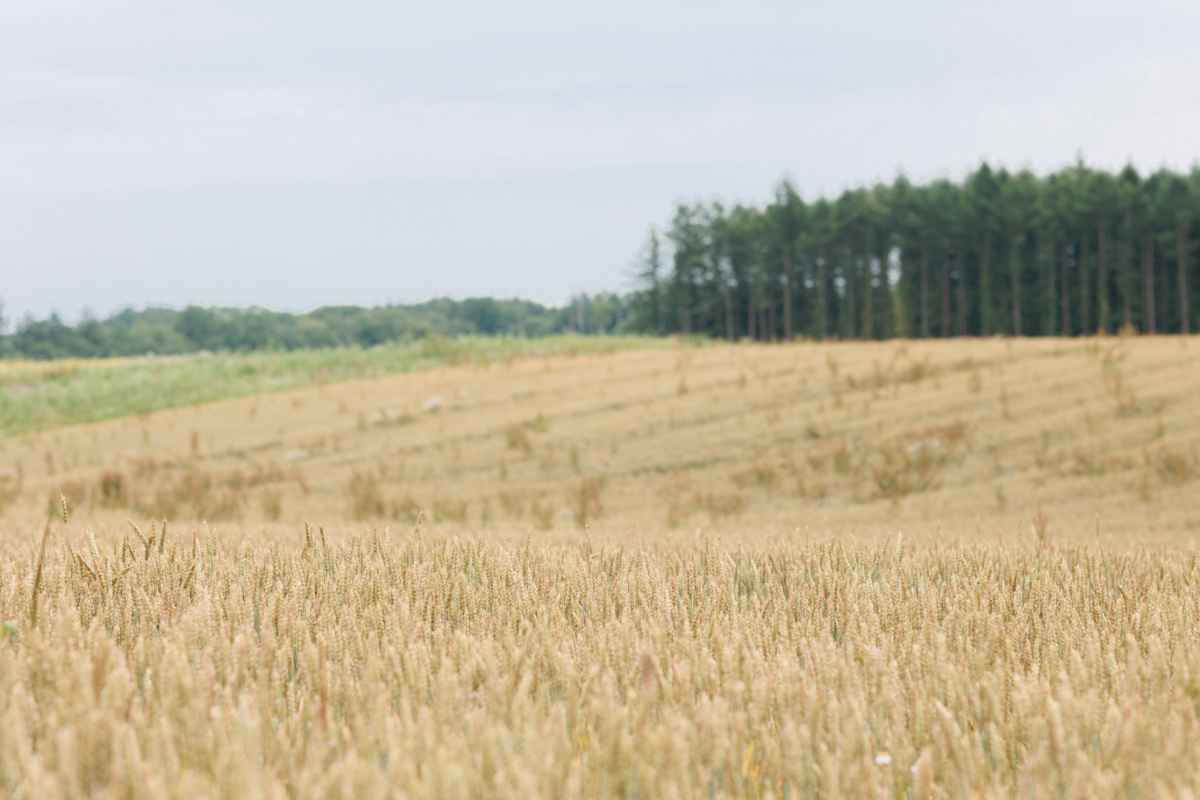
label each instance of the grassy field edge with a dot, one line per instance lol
(40, 395)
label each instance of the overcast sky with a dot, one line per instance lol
(298, 154)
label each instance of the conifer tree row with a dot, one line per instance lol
(1075, 252)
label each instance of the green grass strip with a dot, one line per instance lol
(38, 395)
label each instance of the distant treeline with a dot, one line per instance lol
(167, 331)
(1074, 252)
(1070, 253)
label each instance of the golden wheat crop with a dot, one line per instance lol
(149, 667)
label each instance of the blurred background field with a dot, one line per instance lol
(632, 440)
(35, 395)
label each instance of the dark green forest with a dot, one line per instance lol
(166, 331)
(1073, 253)
(1076, 252)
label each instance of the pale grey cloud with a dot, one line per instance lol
(302, 153)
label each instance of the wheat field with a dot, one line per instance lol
(374, 668)
(937, 439)
(908, 569)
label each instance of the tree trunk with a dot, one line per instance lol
(1066, 290)
(945, 289)
(771, 331)
(787, 296)
(1148, 283)
(728, 297)
(823, 297)
(749, 307)
(924, 304)
(1127, 270)
(1181, 239)
(868, 299)
(1015, 268)
(986, 323)
(1050, 312)
(961, 258)
(685, 307)
(1102, 278)
(887, 329)
(1084, 295)
(848, 273)
(1164, 302)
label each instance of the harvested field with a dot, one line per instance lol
(939, 439)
